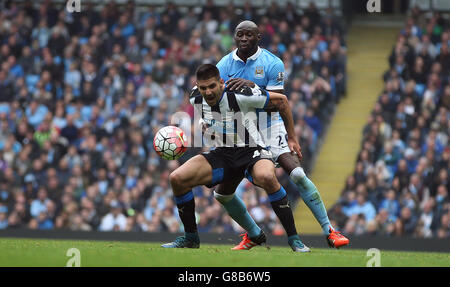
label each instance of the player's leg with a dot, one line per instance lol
(311, 196)
(196, 171)
(277, 138)
(263, 175)
(235, 207)
(308, 191)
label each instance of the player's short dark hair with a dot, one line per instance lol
(207, 71)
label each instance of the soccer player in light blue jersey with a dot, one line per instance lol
(246, 66)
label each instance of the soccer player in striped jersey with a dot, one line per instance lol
(239, 151)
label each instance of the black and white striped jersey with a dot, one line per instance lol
(233, 121)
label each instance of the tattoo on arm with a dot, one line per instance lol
(271, 106)
(275, 104)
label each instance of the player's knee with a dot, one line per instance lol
(265, 179)
(176, 179)
(297, 175)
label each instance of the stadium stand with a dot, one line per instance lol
(82, 94)
(401, 179)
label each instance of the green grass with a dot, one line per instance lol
(31, 252)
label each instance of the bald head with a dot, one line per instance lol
(247, 24)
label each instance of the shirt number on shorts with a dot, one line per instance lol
(280, 139)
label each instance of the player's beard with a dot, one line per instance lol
(212, 99)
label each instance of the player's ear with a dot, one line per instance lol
(259, 36)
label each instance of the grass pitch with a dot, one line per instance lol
(53, 253)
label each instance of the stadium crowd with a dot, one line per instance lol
(401, 179)
(82, 94)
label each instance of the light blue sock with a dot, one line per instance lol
(238, 211)
(311, 197)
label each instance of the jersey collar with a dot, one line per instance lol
(252, 57)
(221, 97)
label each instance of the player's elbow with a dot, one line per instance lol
(277, 101)
(284, 100)
(281, 103)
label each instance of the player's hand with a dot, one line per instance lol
(294, 146)
(237, 83)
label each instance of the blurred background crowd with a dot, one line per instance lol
(82, 94)
(401, 179)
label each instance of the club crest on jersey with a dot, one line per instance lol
(259, 72)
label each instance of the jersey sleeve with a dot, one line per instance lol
(222, 66)
(276, 76)
(194, 93)
(252, 97)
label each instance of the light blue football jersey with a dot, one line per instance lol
(263, 68)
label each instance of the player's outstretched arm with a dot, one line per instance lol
(280, 103)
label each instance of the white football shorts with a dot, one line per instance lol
(275, 138)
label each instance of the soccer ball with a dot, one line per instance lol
(170, 142)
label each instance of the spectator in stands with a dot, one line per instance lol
(362, 206)
(39, 205)
(427, 220)
(3, 217)
(406, 223)
(114, 220)
(444, 230)
(391, 205)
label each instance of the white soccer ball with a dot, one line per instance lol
(170, 143)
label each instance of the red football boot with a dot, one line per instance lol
(336, 239)
(248, 243)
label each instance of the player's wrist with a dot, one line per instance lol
(292, 138)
